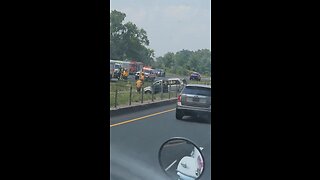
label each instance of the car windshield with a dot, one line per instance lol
(170, 41)
(117, 66)
(197, 91)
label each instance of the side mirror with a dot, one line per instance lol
(181, 159)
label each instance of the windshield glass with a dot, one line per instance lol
(117, 66)
(197, 91)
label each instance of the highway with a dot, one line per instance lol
(136, 137)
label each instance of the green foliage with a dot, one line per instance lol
(127, 41)
(185, 61)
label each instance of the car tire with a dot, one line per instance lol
(179, 114)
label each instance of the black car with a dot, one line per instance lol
(160, 72)
(195, 76)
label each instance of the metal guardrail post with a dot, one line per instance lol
(177, 92)
(169, 90)
(161, 90)
(116, 97)
(142, 92)
(152, 90)
(130, 95)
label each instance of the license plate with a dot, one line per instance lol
(195, 99)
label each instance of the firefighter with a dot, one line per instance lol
(140, 81)
(141, 76)
(139, 85)
(125, 74)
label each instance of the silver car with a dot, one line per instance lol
(172, 85)
(195, 99)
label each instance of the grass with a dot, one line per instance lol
(199, 82)
(124, 97)
(125, 85)
(123, 88)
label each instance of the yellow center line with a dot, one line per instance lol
(143, 117)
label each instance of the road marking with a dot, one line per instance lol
(139, 118)
(170, 165)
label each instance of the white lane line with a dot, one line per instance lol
(170, 165)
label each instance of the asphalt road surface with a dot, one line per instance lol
(136, 138)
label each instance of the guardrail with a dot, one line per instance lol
(132, 96)
(127, 95)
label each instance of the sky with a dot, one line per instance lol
(171, 25)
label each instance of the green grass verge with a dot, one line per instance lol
(123, 97)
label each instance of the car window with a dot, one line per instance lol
(197, 91)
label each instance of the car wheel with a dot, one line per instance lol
(179, 114)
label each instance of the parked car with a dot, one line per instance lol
(195, 76)
(160, 72)
(194, 100)
(170, 84)
(115, 70)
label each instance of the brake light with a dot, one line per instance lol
(179, 100)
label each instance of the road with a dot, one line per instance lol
(137, 137)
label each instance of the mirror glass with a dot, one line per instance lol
(181, 159)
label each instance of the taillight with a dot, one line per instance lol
(179, 98)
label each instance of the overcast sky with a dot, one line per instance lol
(171, 25)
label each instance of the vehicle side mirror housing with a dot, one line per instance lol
(180, 158)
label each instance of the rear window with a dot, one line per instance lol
(202, 91)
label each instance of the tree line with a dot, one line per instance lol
(185, 61)
(127, 41)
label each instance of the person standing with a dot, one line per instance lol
(139, 85)
(140, 81)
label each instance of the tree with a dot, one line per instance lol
(184, 61)
(127, 41)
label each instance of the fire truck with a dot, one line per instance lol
(134, 67)
(115, 66)
(149, 73)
